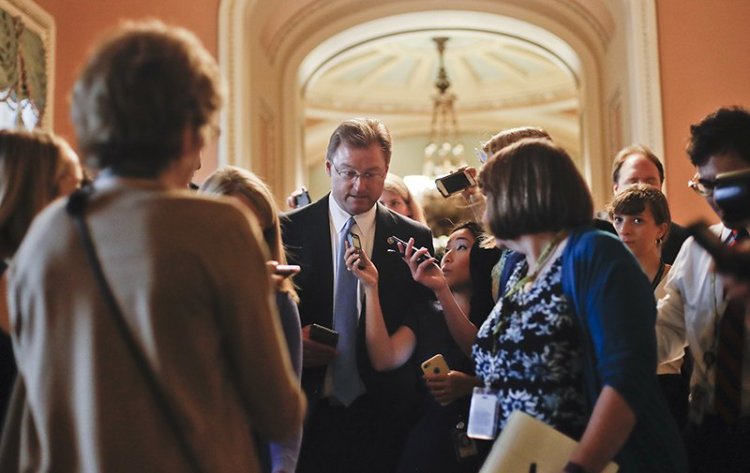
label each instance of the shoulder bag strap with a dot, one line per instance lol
(76, 207)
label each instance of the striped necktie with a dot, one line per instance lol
(728, 381)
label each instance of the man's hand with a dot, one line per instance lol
(314, 353)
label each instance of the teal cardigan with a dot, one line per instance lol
(616, 311)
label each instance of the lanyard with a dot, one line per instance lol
(657, 278)
(547, 252)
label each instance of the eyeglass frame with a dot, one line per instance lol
(702, 187)
(351, 175)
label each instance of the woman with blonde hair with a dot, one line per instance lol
(396, 197)
(254, 194)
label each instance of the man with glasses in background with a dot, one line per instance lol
(357, 417)
(697, 310)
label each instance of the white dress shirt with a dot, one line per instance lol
(689, 314)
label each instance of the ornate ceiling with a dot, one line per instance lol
(500, 81)
(396, 74)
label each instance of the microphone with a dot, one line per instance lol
(394, 241)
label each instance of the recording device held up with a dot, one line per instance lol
(324, 335)
(356, 243)
(727, 261)
(454, 182)
(732, 196)
(286, 270)
(394, 241)
(301, 199)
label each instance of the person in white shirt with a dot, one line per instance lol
(695, 305)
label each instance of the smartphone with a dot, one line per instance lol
(287, 270)
(394, 241)
(300, 200)
(354, 241)
(729, 262)
(435, 365)
(324, 335)
(454, 182)
(732, 196)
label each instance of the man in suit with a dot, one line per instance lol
(359, 428)
(636, 164)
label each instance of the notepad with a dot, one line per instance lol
(529, 445)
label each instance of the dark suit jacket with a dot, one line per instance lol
(306, 234)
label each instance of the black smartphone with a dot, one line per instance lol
(454, 182)
(732, 196)
(729, 262)
(394, 241)
(324, 335)
(300, 200)
(354, 241)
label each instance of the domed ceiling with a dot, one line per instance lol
(500, 81)
(397, 75)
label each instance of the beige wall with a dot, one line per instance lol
(703, 46)
(80, 23)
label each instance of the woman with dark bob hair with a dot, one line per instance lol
(185, 361)
(640, 215)
(571, 340)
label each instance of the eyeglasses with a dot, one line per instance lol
(702, 187)
(351, 174)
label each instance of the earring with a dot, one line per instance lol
(659, 241)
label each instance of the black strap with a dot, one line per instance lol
(658, 277)
(76, 207)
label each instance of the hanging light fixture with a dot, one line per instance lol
(444, 151)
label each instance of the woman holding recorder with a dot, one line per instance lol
(255, 195)
(435, 444)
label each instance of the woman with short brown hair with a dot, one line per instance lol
(571, 340)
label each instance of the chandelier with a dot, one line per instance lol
(444, 151)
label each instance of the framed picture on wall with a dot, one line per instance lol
(27, 46)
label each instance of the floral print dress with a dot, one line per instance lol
(528, 349)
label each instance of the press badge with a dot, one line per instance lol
(483, 414)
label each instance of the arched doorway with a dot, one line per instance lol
(268, 52)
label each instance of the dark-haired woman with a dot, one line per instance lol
(437, 328)
(571, 340)
(640, 215)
